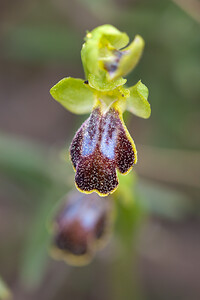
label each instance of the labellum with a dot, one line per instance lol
(100, 147)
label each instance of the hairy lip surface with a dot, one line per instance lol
(101, 146)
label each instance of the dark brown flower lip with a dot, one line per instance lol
(100, 146)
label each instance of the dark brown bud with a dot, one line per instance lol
(81, 227)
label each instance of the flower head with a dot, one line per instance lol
(103, 145)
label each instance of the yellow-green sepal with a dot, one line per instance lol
(75, 95)
(137, 102)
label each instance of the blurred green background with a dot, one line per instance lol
(155, 251)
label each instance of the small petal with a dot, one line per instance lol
(137, 102)
(122, 62)
(81, 227)
(101, 146)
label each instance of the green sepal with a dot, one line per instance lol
(124, 61)
(74, 95)
(98, 44)
(101, 84)
(137, 103)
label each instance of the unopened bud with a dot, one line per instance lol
(81, 227)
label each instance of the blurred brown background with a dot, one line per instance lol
(40, 43)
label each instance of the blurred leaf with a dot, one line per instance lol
(41, 43)
(137, 103)
(162, 201)
(74, 95)
(20, 159)
(98, 10)
(4, 291)
(30, 163)
(191, 8)
(172, 166)
(35, 256)
(23, 160)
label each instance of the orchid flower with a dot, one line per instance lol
(102, 146)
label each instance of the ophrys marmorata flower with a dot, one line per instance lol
(103, 145)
